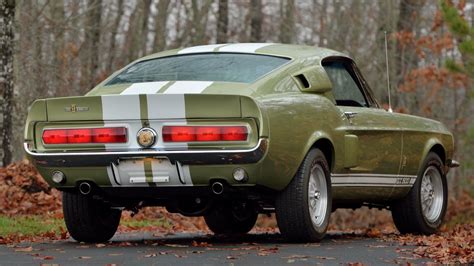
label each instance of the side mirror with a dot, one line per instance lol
(313, 79)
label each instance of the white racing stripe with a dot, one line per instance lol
(120, 107)
(166, 106)
(243, 47)
(200, 49)
(181, 87)
(145, 87)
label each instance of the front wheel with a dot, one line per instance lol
(423, 209)
(89, 220)
(303, 208)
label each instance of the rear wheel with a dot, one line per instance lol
(232, 218)
(89, 220)
(423, 209)
(304, 207)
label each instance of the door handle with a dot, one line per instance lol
(350, 115)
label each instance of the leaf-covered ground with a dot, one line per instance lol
(31, 211)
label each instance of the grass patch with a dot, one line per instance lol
(35, 225)
(29, 225)
(160, 222)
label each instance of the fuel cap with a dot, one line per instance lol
(146, 137)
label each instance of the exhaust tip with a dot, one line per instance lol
(85, 188)
(217, 188)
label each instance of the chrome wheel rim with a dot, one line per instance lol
(317, 195)
(432, 194)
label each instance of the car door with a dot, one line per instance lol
(373, 139)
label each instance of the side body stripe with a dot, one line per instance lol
(372, 180)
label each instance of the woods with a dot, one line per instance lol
(64, 48)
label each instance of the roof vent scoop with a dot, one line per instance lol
(313, 79)
(302, 80)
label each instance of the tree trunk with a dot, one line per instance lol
(199, 21)
(159, 43)
(406, 58)
(222, 21)
(90, 49)
(113, 37)
(144, 26)
(256, 17)
(7, 15)
(287, 26)
(58, 20)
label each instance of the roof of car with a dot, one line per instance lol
(275, 49)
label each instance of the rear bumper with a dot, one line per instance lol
(189, 157)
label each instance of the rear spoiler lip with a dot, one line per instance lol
(190, 157)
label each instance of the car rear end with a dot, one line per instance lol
(146, 141)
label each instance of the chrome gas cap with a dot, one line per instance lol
(146, 137)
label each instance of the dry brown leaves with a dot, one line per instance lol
(23, 191)
(452, 246)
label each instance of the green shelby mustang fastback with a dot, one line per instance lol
(228, 131)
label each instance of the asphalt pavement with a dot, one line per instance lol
(200, 249)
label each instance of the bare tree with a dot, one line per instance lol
(256, 18)
(287, 26)
(7, 14)
(113, 36)
(222, 21)
(159, 42)
(90, 51)
(144, 27)
(58, 21)
(200, 15)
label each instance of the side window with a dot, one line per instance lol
(345, 89)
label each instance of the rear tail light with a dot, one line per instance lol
(204, 133)
(85, 135)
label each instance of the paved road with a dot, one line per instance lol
(200, 249)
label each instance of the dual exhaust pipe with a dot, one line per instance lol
(217, 188)
(85, 188)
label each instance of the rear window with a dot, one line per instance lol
(226, 67)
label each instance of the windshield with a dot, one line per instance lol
(227, 67)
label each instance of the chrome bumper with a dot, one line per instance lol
(192, 157)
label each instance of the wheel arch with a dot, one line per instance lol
(325, 144)
(436, 146)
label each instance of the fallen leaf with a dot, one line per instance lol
(176, 246)
(25, 249)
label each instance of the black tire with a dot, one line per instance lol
(407, 213)
(231, 219)
(292, 204)
(89, 220)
